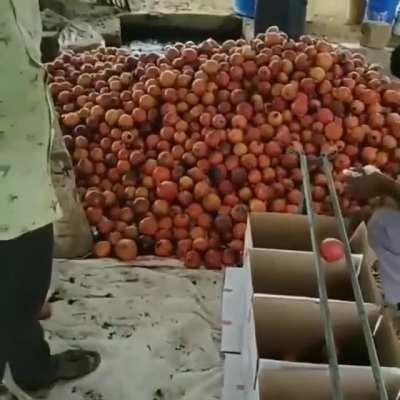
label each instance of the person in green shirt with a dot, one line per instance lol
(28, 206)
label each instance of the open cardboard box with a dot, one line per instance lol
(288, 231)
(290, 329)
(293, 273)
(287, 273)
(292, 232)
(292, 381)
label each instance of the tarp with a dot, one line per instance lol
(158, 330)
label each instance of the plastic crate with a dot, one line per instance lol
(382, 10)
(245, 8)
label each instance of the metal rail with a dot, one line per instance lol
(323, 293)
(369, 340)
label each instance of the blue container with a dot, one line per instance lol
(245, 8)
(382, 10)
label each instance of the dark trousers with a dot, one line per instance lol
(25, 273)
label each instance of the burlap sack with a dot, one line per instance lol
(72, 233)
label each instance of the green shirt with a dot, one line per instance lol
(27, 197)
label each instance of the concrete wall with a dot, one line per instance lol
(336, 11)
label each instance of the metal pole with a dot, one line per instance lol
(373, 356)
(323, 294)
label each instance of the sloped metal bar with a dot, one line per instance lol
(323, 293)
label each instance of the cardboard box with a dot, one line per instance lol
(292, 232)
(293, 273)
(285, 231)
(290, 329)
(234, 381)
(278, 324)
(287, 273)
(234, 307)
(293, 381)
(233, 386)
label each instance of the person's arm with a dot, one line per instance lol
(373, 185)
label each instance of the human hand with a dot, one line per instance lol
(364, 187)
(355, 218)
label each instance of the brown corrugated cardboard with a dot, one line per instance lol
(279, 324)
(359, 244)
(293, 273)
(375, 34)
(282, 272)
(290, 329)
(293, 381)
(285, 231)
(387, 342)
(292, 232)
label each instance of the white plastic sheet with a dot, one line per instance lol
(158, 331)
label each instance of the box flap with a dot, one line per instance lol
(233, 310)
(250, 352)
(254, 394)
(387, 342)
(248, 236)
(359, 244)
(369, 288)
(233, 387)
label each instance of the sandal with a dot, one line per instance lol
(75, 364)
(69, 365)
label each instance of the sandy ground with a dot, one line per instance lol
(158, 331)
